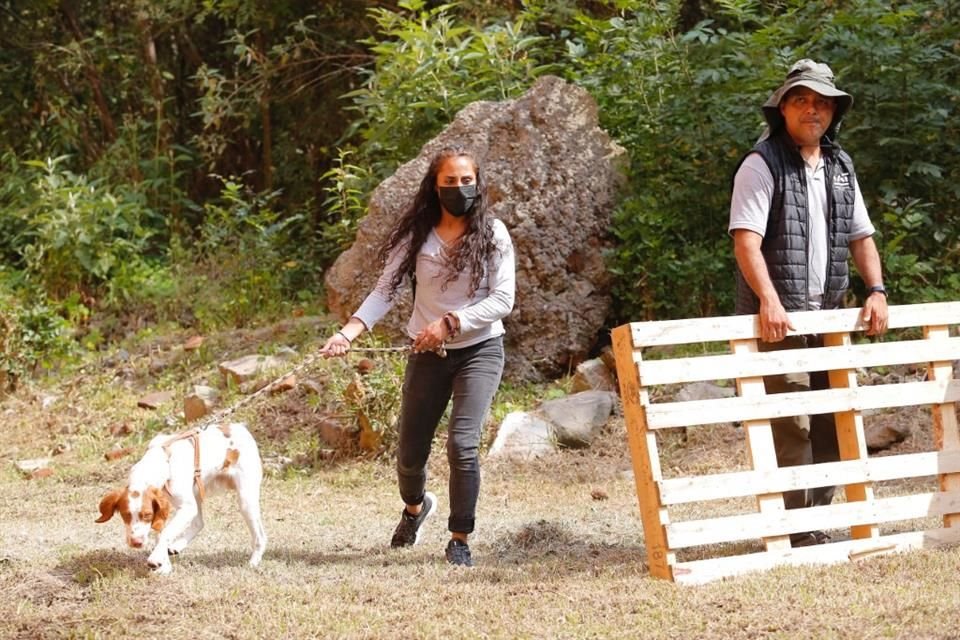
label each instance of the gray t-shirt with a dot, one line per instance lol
(750, 206)
(480, 314)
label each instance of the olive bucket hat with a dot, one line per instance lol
(813, 75)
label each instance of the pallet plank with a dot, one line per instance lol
(746, 327)
(739, 484)
(693, 413)
(693, 533)
(702, 571)
(846, 356)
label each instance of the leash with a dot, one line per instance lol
(309, 360)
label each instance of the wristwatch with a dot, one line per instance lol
(878, 288)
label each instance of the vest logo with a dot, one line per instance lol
(842, 181)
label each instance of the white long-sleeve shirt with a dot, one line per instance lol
(480, 315)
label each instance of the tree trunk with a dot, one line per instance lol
(93, 77)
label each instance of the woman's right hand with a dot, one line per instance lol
(336, 346)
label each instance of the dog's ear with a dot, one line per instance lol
(161, 508)
(108, 505)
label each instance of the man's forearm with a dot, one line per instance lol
(867, 260)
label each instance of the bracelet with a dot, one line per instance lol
(344, 336)
(448, 322)
(877, 289)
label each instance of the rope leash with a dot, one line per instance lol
(219, 415)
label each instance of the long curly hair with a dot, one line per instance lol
(476, 245)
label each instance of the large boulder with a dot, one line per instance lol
(552, 178)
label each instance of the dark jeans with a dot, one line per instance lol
(471, 375)
(802, 439)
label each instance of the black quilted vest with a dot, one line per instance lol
(784, 245)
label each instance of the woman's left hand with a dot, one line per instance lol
(431, 338)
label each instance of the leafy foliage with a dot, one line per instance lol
(118, 118)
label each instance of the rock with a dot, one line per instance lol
(704, 391)
(881, 435)
(522, 436)
(365, 366)
(193, 343)
(312, 386)
(155, 400)
(576, 418)
(553, 177)
(45, 472)
(286, 383)
(335, 434)
(48, 400)
(599, 494)
(121, 429)
(29, 467)
(593, 375)
(248, 367)
(199, 402)
(116, 454)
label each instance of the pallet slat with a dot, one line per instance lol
(882, 396)
(739, 484)
(716, 367)
(693, 533)
(703, 571)
(724, 329)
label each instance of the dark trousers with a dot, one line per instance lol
(471, 376)
(802, 439)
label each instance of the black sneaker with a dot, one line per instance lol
(808, 539)
(407, 532)
(458, 553)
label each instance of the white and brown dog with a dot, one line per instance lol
(166, 488)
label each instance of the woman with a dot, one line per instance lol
(462, 265)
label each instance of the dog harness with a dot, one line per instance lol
(194, 435)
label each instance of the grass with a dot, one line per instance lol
(552, 560)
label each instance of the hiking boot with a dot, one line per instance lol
(808, 538)
(407, 532)
(458, 553)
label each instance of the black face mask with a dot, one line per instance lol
(458, 200)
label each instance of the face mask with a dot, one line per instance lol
(458, 200)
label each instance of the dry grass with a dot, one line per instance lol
(553, 561)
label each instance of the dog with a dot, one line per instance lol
(166, 488)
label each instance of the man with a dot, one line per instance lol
(796, 215)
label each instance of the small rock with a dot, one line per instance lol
(28, 467)
(46, 472)
(599, 494)
(312, 386)
(199, 402)
(365, 366)
(248, 367)
(48, 401)
(116, 454)
(593, 375)
(287, 383)
(193, 343)
(523, 436)
(60, 449)
(155, 399)
(122, 429)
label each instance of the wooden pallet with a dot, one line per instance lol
(863, 513)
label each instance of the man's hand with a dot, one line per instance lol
(774, 322)
(875, 314)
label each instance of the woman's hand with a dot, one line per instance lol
(431, 338)
(336, 346)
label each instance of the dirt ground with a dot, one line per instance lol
(559, 545)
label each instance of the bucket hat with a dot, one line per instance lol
(813, 75)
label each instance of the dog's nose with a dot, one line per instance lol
(136, 544)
